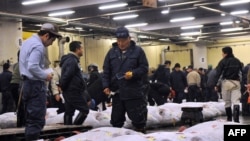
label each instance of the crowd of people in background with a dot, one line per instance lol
(126, 83)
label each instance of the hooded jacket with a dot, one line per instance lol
(71, 75)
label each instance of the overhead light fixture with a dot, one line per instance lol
(238, 33)
(182, 19)
(117, 5)
(61, 13)
(231, 29)
(165, 11)
(226, 23)
(130, 16)
(70, 28)
(234, 2)
(164, 39)
(79, 28)
(192, 27)
(223, 14)
(30, 2)
(136, 25)
(190, 33)
(143, 37)
(239, 12)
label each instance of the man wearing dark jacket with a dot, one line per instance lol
(73, 85)
(7, 99)
(125, 66)
(230, 68)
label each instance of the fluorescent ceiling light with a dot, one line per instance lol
(79, 28)
(136, 25)
(61, 13)
(226, 23)
(190, 33)
(30, 2)
(239, 12)
(182, 19)
(164, 39)
(165, 11)
(231, 29)
(125, 17)
(238, 33)
(234, 2)
(223, 14)
(70, 28)
(192, 27)
(143, 37)
(104, 7)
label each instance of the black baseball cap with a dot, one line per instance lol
(122, 32)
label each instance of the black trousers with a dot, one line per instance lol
(136, 110)
(75, 101)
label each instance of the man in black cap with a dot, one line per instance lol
(230, 68)
(32, 67)
(124, 68)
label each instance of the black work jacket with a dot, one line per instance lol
(230, 68)
(117, 63)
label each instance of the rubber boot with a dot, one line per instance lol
(236, 113)
(80, 119)
(67, 120)
(142, 130)
(229, 113)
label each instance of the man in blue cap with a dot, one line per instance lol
(124, 68)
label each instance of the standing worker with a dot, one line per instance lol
(32, 69)
(73, 85)
(125, 66)
(230, 68)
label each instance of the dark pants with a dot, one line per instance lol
(7, 101)
(75, 101)
(211, 94)
(136, 110)
(245, 105)
(179, 96)
(58, 104)
(194, 93)
(14, 87)
(34, 98)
